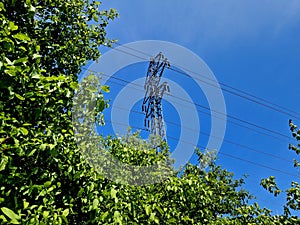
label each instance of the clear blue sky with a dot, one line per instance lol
(252, 45)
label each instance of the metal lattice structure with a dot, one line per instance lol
(154, 91)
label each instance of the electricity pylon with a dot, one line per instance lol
(154, 91)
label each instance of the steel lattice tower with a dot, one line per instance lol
(154, 91)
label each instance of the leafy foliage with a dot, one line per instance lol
(46, 179)
(43, 46)
(293, 193)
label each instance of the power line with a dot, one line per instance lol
(226, 85)
(236, 118)
(240, 95)
(219, 152)
(207, 108)
(259, 164)
(206, 134)
(225, 154)
(228, 155)
(238, 92)
(206, 113)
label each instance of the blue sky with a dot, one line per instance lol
(252, 45)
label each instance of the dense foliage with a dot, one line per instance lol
(44, 176)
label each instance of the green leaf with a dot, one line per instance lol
(74, 85)
(47, 184)
(117, 217)
(65, 212)
(2, 217)
(32, 8)
(160, 210)
(11, 72)
(45, 214)
(4, 161)
(23, 48)
(8, 61)
(36, 56)
(10, 214)
(43, 146)
(20, 60)
(19, 97)
(35, 75)
(148, 209)
(23, 130)
(2, 6)
(113, 193)
(25, 205)
(104, 215)
(95, 17)
(80, 192)
(21, 37)
(105, 88)
(95, 203)
(12, 26)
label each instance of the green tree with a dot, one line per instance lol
(292, 205)
(43, 45)
(190, 196)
